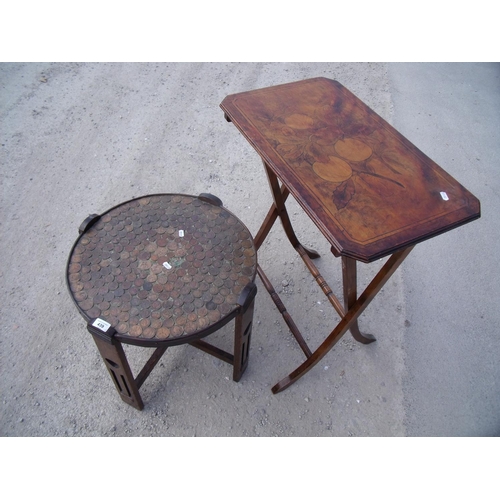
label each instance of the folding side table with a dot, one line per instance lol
(371, 193)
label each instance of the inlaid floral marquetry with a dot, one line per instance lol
(367, 188)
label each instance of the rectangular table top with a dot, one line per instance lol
(367, 188)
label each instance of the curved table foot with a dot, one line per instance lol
(364, 338)
(350, 319)
(301, 370)
(312, 254)
(282, 385)
(344, 325)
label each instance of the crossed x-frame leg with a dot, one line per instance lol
(353, 305)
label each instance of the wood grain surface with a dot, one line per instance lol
(368, 189)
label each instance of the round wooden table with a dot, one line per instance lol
(159, 271)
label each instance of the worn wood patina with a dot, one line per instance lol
(369, 190)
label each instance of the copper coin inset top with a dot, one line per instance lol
(137, 265)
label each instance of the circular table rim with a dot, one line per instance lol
(184, 339)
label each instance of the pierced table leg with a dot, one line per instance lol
(348, 320)
(116, 362)
(349, 275)
(242, 334)
(243, 330)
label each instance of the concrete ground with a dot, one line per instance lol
(79, 138)
(451, 385)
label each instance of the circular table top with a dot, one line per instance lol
(164, 267)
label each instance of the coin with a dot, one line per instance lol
(163, 333)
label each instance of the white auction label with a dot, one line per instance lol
(181, 233)
(101, 324)
(167, 265)
(444, 196)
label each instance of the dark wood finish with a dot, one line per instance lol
(349, 279)
(242, 335)
(269, 220)
(116, 362)
(243, 330)
(367, 188)
(282, 309)
(150, 364)
(334, 301)
(348, 320)
(279, 204)
(164, 270)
